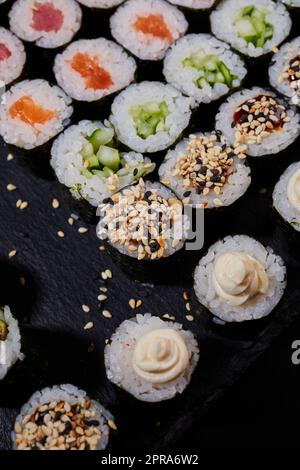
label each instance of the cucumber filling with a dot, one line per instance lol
(150, 118)
(252, 25)
(212, 69)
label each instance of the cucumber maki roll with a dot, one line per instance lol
(205, 171)
(10, 342)
(12, 56)
(32, 113)
(203, 67)
(284, 71)
(90, 69)
(194, 4)
(47, 23)
(61, 418)
(253, 28)
(260, 120)
(286, 196)
(239, 279)
(150, 358)
(150, 116)
(100, 3)
(147, 29)
(86, 159)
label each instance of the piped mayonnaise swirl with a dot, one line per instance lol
(238, 277)
(160, 356)
(293, 190)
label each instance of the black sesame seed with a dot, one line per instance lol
(91, 422)
(40, 420)
(57, 416)
(135, 172)
(203, 170)
(232, 124)
(218, 132)
(187, 193)
(68, 428)
(215, 179)
(147, 195)
(154, 246)
(108, 200)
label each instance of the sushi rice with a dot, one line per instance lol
(253, 27)
(271, 143)
(12, 56)
(194, 4)
(256, 307)
(203, 67)
(169, 111)
(69, 164)
(282, 203)
(161, 24)
(100, 3)
(10, 347)
(47, 23)
(119, 359)
(109, 60)
(17, 129)
(51, 398)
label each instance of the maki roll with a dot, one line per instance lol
(12, 56)
(286, 196)
(47, 23)
(253, 27)
(10, 342)
(33, 111)
(90, 69)
(150, 116)
(206, 171)
(239, 279)
(85, 158)
(150, 358)
(259, 119)
(194, 4)
(203, 67)
(61, 418)
(284, 71)
(100, 3)
(147, 29)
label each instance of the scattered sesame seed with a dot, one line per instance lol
(102, 297)
(107, 314)
(11, 187)
(139, 303)
(10, 157)
(61, 234)
(132, 304)
(88, 326)
(189, 317)
(55, 204)
(108, 274)
(85, 308)
(186, 296)
(24, 205)
(275, 49)
(101, 248)
(71, 221)
(188, 307)
(12, 253)
(106, 341)
(18, 203)
(83, 230)
(112, 424)
(103, 289)
(104, 276)
(169, 317)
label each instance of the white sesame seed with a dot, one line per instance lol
(189, 317)
(107, 314)
(61, 234)
(12, 253)
(24, 205)
(10, 157)
(112, 424)
(132, 304)
(55, 204)
(85, 308)
(11, 187)
(83, 230)
(138, 303)
(18, 203)
(88, 326)
(102, 297)
(71, 221)
(103, 289)
(109, 274)
(188, 307)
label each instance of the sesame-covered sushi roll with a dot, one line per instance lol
(203, 67)
(194, 4)
(33, 111)
(286, 196)
(103, 4)
(79, 422)
(47, 23)
(86, 159)
(12, 56)
(239, 279)
(284, 71)
(259, 119)
(150, 116)
(151, 359)
(90, 69)
(206, 171)
(147, 29)
(253, 27)
(10, 342)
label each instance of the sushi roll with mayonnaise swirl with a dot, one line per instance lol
(259, 119)
(286, 196)
(12, 56)
(239, 279)
(252, 27)
(150, 358)
(10, 341)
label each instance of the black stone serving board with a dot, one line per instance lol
(62, 274)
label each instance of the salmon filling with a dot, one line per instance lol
(4, 52)
(154, 25)
(46, 18)
(88, 67)
(31, 113)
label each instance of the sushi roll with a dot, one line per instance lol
(239, 279)
(286, 196)
(33, 111)
(12, 56)
(47, 23)
(147, 29)
(284, 71)
(150, 116)
(150, 358)
(100, 3)
(10, 342)
(194, 4)
(80, 423)
(90, 69)
(203, 67)
(258, 119)
(85, 158)
(253, 27)
(291, 3)
(206, 171)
